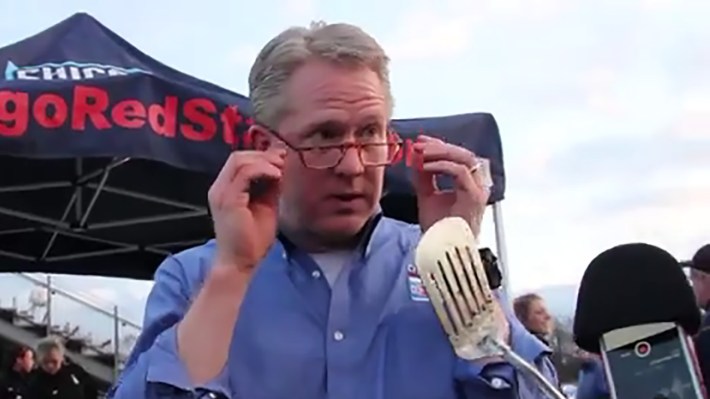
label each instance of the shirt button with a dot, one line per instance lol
(338, 336)
(315, 274)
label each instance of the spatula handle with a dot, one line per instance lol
(526, 368)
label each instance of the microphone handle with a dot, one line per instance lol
(524, 367)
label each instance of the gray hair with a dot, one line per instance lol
(48, 344)
(341, 43)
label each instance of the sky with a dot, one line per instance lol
(603, 107)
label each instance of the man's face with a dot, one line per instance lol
(26, 362)
(52, 361)
(329, 104)
(699, 281)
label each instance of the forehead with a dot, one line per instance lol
(537, 304)
(53, 354)
(323, 92)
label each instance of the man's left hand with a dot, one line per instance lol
(469, 196)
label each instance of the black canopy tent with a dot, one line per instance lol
(107, 154)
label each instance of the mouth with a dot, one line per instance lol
(347, 197)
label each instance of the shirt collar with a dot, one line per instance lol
(528, 346)
(365, 235)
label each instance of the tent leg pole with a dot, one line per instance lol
(501, 247)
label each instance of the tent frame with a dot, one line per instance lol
(501, 247)
(97, 180)
(81, 230)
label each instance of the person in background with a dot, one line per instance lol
(531, 310)
(700, 279)
(307, 290)
(53, 379)
(591, 383)
(15, 381)
(88, 382)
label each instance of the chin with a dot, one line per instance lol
(343, 225)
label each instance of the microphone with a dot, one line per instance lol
(636, 308)
(456, 282)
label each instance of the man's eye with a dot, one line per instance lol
(371, 131)
(327, 134)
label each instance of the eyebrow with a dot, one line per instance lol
(333, 124)
(328, 124)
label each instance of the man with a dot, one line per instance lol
(591, 382)
(16, 380)
(54, 379)
(303, 294)
(699, 274)
(700, 279)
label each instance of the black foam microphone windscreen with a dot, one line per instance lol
(629, 285)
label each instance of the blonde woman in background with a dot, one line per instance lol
(531, 310)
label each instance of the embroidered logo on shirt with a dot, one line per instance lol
(417, 292)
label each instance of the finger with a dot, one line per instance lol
(238, 159)
(478, 180)
(428, 139)
(237, 191)
(256, 172)
(439, 151)
(461, 174)
(424, 182)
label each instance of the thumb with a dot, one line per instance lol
(424, 183)
(270, 191)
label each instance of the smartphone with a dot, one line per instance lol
(653, 360)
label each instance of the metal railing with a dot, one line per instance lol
(74, 316)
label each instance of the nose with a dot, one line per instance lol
(350, 164)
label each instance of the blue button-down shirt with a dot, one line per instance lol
(369, 336)
(592, 381)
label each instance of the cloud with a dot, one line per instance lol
(424, 33)
(428, 30)
(301, 11)
(580, 200)
(243, 55)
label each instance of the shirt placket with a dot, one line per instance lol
(339, 338)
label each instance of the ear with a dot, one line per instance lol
(397, 152)
(261, 138)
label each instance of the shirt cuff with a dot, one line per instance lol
(166, 367)
(501, 375)
(495, 375)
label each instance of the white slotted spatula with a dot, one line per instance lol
(455, 280)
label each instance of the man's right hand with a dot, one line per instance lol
(243, 201)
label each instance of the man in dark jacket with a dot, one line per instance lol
(54, 379)
(16, 379)
(700, 278)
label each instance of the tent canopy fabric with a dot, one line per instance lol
(107, 154)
